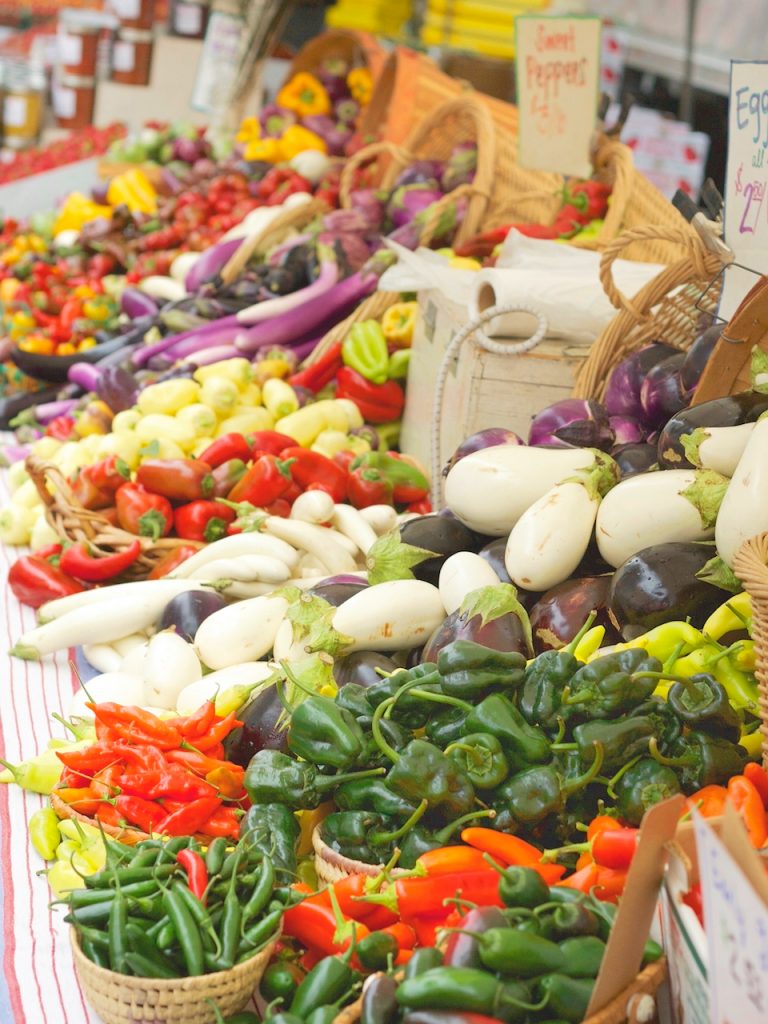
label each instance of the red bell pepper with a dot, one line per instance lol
(33, 581)
(368, 487)
(266, 481)
(226, 476)
(138, 511)
(176, 479)
(270, 442)
(202, 520)
(225, 448)
(313, 471)
(378, 403)
(78, 561)
(321, 372)
(108, 474)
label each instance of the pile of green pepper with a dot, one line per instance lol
(163, 910)
(536, 748)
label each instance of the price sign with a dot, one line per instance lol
(557, 66)
(746, 178)
(737, 934)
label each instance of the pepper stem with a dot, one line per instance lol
(378, 736)
(558, 737)
(445, 834)
(379, 838)
(511, 1001)
(571, 647)
(574, 785)
(656, 754)
(324, 782)
(548, 856)
(615, 778)
(443, 698)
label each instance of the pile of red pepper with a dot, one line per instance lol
(163, 776)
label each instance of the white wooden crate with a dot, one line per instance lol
(482, 389)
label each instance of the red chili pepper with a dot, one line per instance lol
(449, 860)
(403, 933)
(78, 561)
(416, 898)
(367, 487)
(321, 372)
(615, 848)
(49, 551)
(176, 479)
(138, 811)
(223, 822)
(197, 875)
(426, 929)
(81, 799)
(756, 774)
(109, 815)
(33, 581)
(197, 723)
(266, 481)
(512, 850)
(745, 797)
(270, 442)
(108, 474)
(91, 759)
(136, 725)
(609, 884)
(315, 925)
(422, 507)
(201, 763)
(315, 471)
(173, 559)
(226, 476)
(217, 732)
(190, 818)
(709, 801)
(203, 520)
(378, 403)
(61, 428)
(138, 511)
(168, 783)
(226, 448)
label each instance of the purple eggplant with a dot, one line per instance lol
(337, 589)
(698, 355)
(634, 458)
(363, 668)
(421, 172)
(187, 150)
(274, 120)
(505, 633)
(118, 388)
(559, 614)
(662, 394)
(440, 534)
(493, 553)
(626, 430)
(491, 437)
(462, 947)
(262, 729)
(333, 134)
(460, 167)
(622, 396)
(371, 204)
(730, 411)
(186, 611)
(210, 263)
(135, 303)
(408, 201)
(333, 75)
(572, 422)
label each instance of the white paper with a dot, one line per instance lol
(123, 56)
(557, 69)
(70, 49)
(746, 178)
(64, 102)
(216, 67)
(737, 933)
(15, 111)
(128, 10)
(188, 19)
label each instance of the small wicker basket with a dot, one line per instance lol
(357, 49)
(751, 566)
(124, 834)
(123, 999)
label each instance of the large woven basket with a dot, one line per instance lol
(669, 308)
(358, 49)
(751, 566)
(459, 120)
(123, 999)
(74, 523)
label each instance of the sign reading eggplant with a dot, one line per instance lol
(557, 69)
(746, 178)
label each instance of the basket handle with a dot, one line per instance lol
(363, 156)
(750, 564)
(289, 218)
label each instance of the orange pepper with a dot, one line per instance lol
(610, 883)
(602, 823)
(509, 849)
(746, 799)
(585, 859)
(448, 859)
(583, 879)
(709, 801)
(758, 776)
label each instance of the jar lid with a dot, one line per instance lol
(77, 82)
(135, 35)
(83, 22)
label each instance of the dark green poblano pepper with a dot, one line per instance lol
(614, 684)
(468, 670)
(325, 734)
(535, 793)
(701, 702)
(423, 771)
(641, 786)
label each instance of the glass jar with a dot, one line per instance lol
(132, 57)
(23, 105)
(134, 14)
(74, 98)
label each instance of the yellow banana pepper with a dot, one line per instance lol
(589, 643)
(398, 323)
(734, 615)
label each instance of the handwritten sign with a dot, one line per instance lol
(746, 178)
(737, 934)
(557, 67)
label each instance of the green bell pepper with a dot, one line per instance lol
(372, 795)
(701, 702)
(366, 836)
(273, 777)
(545, 679)
(423, 771)
(703, 760)
(480, 755)
(325, 734)
(274, 830)
(621, 739)
(642, 785)
(468, 670)
(365, 350)
(497, 715)
(399, 361)
(614, 684)
(352, 697)
(534, 793)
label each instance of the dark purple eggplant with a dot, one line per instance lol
(337, 589)
(634, 458)
(698, 355)
(488, 438)
(186, 611)
(626, 430)
(437, 533)
(730, 411)
(659, 584)
(55, 368)
(559, 614)
(117, 387)
(575, 422)
(260, 729)
(505, 633)
(12, 405)
(493, 553)
(622, 396)
(662, 395)
(361, 668)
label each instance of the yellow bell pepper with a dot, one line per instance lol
(296, 139)
(733, 616)
(169, 396)
(8, 289)
(360, 82)
(265, 369)
(270, 151)
(330, 442)
(135, 190)
(305, 94)
(238, 370)
(78, 210)
(249, 130)
(398, 323)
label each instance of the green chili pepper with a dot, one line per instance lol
(583, 955)
(328, 981)
(322, 1015)
(98, 913)
(136, 881)
(262, 891)
(614, 684)
(118, 919)
(96, 954)
(423, 771)
(468, 670)
(510, 951)
(88, 897)
(497, 715)
(701, 702)
(545, 679)
(480, 756)
(139, 942)
(365, 350)
(143, 967)
(325, 734)
(260, 932)
(230, 924)
(424, 959)
(274, 778)
(463, 988)
(567, 920)
(567, 997)
(520, 886)
(187, 932)
(214, 858)
(199, 914)
(641, 786)
(379, 1003)
(703, 760)
(535, 793)
(374, 951)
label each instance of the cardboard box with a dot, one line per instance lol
(482, 389)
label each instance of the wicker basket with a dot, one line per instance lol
(331, 866)
(124, 834)
(74, 523)
(751, 566)
(358, 49)
(669, 308)
(458, 120)
(123, 999)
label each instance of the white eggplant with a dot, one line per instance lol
(718, 448)
(490, 489)
(133, 660)
(658, 508)
(381, 518)
(170, 664)
(392, 616)
(210, 686)
(236, 546)
(313, 507)
(283, 640)
(246, 568)
(550, 538)
(241, 632)
(157, 594)
(103, 657)
(350, 522)
(744, 512)
(315, 540)
(460, 575)
(241, 590)
(120, 687)
(126, 644)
